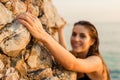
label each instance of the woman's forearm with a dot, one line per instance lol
(61, 37)
(64, 57)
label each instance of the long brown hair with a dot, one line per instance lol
(94, 49)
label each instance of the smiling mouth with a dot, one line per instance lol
(76, 46)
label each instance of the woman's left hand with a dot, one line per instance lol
(33, 24)
(62, 26)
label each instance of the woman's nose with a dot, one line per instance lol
(76, 38)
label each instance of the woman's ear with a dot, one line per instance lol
(92, 42)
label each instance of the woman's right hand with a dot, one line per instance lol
(33, 24)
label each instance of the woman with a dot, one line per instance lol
(85, 58)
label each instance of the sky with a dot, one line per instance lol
(97, 11)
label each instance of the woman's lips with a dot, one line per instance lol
(76, 45)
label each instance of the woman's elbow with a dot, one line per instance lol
(69, 67)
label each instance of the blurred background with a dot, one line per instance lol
(105, 15)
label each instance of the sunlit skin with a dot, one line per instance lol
(80, 41)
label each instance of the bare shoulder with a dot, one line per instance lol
(98, 74)
(96, 61)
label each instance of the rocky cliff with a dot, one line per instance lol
(21, 57)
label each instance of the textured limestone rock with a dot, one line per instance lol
(51, 18)
(14, 38)
(21, 57)
(41, 74)
(5, 16)
(4, 1)
(1, 65)
(39, 57)
(11, 74)
(21, 66)
(16, 6)
(63, 74)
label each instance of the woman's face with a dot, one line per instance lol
(80, 39)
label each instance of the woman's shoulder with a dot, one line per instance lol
(95, 59)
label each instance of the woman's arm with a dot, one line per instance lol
(64, 57)
(68, 61)
(61, 36)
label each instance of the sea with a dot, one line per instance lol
(109, 36)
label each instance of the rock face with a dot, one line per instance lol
(21, 57)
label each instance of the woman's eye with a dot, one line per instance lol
(74, 34)
(82, 36)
